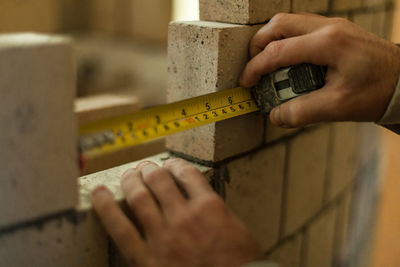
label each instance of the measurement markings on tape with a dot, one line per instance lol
(114, 134)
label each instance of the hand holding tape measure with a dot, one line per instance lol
(110, 135)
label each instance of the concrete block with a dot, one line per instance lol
(72, 239)
(288, 254)
(144, 20)
(38, 140)
(30, 15)
(346, 5)
(306, 177)
(312, 6)
(242, 11)
(319, 240)
(104, 106)
(254, 192)
(111, 179)
(342, 229)
(205, 57)
(343, 164)
(274, 133)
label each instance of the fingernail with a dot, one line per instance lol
(143, 163)
(98, 191)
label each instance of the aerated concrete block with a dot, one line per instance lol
(38, 140)
(254, 192)
(206, 57)
(306, 177)
(242, 11)
(71, 239)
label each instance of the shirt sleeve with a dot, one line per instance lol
(392, 114)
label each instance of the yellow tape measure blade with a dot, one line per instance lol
(118, 133)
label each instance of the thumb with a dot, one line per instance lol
(318, 106)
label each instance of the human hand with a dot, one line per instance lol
(363, 69)
(190, 229)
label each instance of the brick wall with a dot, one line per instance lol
(308, 195)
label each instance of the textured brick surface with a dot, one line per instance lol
(289, 253)
(342, 167)
(319, 244)
(254, 192)
(314, 6)
(37, 88)
(306, 177)
(205, 57)
(30, 15)
(242, 11)
(65, 240)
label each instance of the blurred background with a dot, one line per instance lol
(121, 45)
(121, 50)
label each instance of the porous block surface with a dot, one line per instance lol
(242, 11)
(39, 133)
(206, 57)
(254, 192)
(306, 177)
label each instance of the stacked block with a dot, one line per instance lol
(205, 57)
(37, 88)
(38, 148)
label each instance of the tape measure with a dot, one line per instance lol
(148, 124)
(110, 135)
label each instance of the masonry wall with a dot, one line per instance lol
(307, 195)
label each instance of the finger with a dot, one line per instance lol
(319, 106)
(284, 25)
(118, 225)
(141, 201)
(296, 50)
(161, 183)
(189, 177)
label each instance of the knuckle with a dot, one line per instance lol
(211, 201)
(334, 33)
(280, 18)
(274, 48)
(188, 170)
(155, 176)
(339, 20)
(139, 199)
(185, 220)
